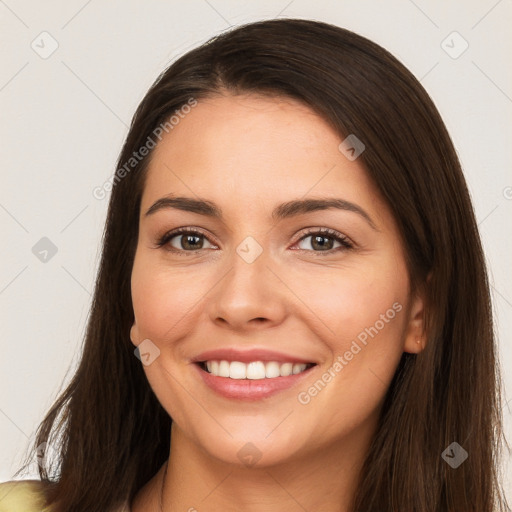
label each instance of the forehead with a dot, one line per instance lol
(248, 128)
(248, 150)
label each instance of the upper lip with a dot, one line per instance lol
(248, 356)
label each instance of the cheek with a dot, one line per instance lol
(350, 301)
(162, 298)
(365, 313)
(163, 304)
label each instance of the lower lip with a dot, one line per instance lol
(250, 389)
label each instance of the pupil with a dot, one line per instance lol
(318, 240)
(188, 240)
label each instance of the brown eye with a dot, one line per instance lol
(324, 240)
(188, 240)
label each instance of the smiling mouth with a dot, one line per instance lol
(255, 370)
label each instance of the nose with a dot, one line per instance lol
(249, 296)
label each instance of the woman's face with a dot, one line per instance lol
(261, 276)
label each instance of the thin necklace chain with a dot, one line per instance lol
(163, 487)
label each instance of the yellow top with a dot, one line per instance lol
(22, 496)
(27, 496)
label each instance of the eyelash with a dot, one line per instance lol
(346, 244)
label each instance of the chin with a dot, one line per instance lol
(252, 449)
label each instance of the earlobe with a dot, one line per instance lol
(134, 334)
(415, 337)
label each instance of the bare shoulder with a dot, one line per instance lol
(22, 496)
(29, 496)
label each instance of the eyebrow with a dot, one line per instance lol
(280, 212)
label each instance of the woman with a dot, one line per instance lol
(292, 308)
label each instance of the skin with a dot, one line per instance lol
(247, 154)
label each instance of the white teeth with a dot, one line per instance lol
(272, 370)
(223, 370)
(237, 370)
(254, 370)
(286, 369)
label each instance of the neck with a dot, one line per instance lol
(325, 480)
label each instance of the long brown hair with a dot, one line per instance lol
(110, 432)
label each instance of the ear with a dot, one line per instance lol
(416, 336)
(134, 334)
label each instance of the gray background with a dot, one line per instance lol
(65, 115)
